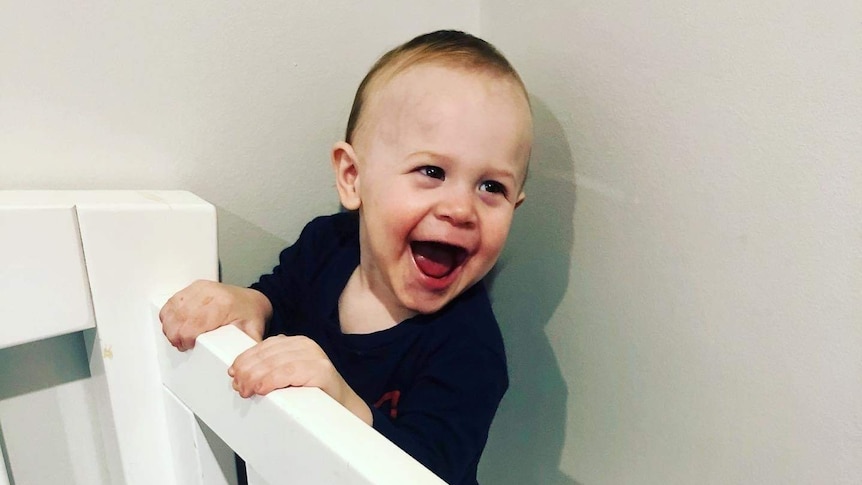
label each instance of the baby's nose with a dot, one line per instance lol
(458, 207)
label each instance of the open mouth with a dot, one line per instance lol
(436, 259)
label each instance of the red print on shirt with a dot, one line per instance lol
(392, 398)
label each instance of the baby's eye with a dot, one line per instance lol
(433, 172)
(493, 187)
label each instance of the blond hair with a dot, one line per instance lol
(447, 47)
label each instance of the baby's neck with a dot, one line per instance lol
(362, 311)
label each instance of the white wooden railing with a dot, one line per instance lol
(298, 433)
(102, 262)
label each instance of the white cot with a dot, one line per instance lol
(84, 273)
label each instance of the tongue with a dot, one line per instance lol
(434, 259)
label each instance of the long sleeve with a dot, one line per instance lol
(300, 266)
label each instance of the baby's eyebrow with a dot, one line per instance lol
(502, 174)
(428, 154)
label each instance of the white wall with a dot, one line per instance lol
(238, 102)
(694, 241)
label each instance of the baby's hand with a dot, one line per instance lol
(207, 305)
(282, 361)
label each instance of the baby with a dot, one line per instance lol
(383, 306)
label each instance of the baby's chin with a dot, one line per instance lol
(430, 310)
(430, 306)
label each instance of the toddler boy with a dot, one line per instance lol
(382, 307)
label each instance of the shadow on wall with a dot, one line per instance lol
(527, 286)
(246, 251)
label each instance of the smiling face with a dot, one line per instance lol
(436, 171)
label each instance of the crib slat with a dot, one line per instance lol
(254, 477)
(194, 457)
(297, 434)
(40, 254)
(137, 245)
(4, 479)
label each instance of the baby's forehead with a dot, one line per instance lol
(437, 105)
(400, 77)
(408, 90)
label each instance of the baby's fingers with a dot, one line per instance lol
(279, 362)
(261, 379)
(173, 320)
(188, 313)
(278, 378)
(179, 328)
(247, 371)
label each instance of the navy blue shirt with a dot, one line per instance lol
(433, 382)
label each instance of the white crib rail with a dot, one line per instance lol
(102, 257)
(73, 260)
(297, 435)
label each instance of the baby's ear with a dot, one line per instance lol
(346, 175)
(520, 200)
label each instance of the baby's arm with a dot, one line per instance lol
(207, 305)
(274, 363)
(281, 361)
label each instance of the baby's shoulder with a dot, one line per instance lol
(325, 236)
(334, 227)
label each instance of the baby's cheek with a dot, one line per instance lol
(499, 232)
